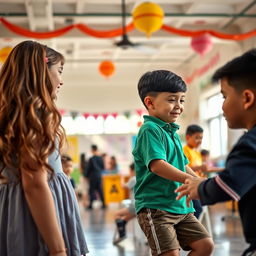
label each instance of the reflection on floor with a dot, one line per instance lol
(99, 230)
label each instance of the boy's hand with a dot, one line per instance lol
(189, 189)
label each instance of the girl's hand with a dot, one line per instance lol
(189, 189)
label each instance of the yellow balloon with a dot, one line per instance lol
(4, 52)
(148, 17)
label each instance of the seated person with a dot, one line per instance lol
(122, 216)
(67, 166)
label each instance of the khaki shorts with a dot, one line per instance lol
(167, 231)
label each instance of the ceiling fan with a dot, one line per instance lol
(125, 42)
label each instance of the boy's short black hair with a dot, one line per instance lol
(194, 128)
(94, 147)
(240, 72)
(157, 81)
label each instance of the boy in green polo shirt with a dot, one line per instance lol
(161, 167)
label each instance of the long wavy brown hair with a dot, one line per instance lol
(30, 128)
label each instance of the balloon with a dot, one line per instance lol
(148, 17)
(202, 44)
(4, 52)
(107, 68)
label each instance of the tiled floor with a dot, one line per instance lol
(99, 229)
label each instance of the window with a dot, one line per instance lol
(217, 126)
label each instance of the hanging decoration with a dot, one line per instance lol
(105, 116)
(62, 111)
(201, 44)
(127, 114)
(74, 114)
(4, 52)
(139, 112)
(107, 68)
(139, 124)
(115, 114)
(95, 115)
(117, 32)
(86, 115)
(148, 17)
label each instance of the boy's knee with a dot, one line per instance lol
(203, 246)
(208, 246)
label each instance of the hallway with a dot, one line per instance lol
(99, 230)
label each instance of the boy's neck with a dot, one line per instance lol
(191, 146)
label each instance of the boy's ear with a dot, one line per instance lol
(148, 102)
(248, 98)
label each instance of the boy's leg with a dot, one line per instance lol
(121, 218)
(124, 214)
(193, 236)
(158, 226)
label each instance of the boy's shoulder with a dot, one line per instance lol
(150, 126)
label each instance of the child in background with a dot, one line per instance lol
(194, 136)
(211, 168)
(238, 180)
(161, 167)
(39, 214)
(67, 166)
(125, 214)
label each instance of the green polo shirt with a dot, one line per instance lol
(158, 140)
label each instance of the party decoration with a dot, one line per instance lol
(74, 114)
(95, 115)
(127, 114)
(62, 111)
(139, 124)
(201, 44)
(115, 114)
(139, 112)
(105, 116)
(86, 115)
(148, 17)
(107, 68)
(119, 31)
(4, 52)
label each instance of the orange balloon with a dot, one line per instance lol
(107, 68)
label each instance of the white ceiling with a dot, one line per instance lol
(85, 89)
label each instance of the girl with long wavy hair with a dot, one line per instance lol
(38, 208)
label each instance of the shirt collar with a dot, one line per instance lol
(167, 126)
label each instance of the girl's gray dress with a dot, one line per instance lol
(18, 232)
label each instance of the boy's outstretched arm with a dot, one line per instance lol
(190, 171)
(207, 190)
(168, 171)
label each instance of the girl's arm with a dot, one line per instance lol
(41, 204)
(168, 171)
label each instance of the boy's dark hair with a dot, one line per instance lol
(205, 152)
(154, 82)
(240, 72)
(65, 159)
(94, 147)
(194, 128)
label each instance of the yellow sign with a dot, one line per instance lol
(112, 189)
(72, 150)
